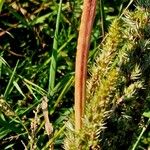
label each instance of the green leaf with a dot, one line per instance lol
(7, 91)
(4, 132)
(18, 88)
(41, 19)
(146, 114)
(19, 17)
(52, 69)
(34, 86)
(3, 61)
(63, 92)
(1, 4)
(9, 146)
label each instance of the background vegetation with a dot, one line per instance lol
(35, 37)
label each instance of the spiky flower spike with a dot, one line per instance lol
(118, 88)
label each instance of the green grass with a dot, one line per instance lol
(37, 55)
(53, 65)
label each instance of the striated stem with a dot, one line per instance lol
(102, 17)
(87, 20)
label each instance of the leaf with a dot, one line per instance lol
(40, 19)
(18, 88)
(19, 17)
(4, 132)
(10, 81)
(52, 69)
(1, 4)
(3, 61)
(146, 114)
(9, 146)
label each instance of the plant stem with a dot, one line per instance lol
(130, 2)
(102, 17)
(142, 132)
(87, 20)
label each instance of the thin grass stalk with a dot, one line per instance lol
(63, 92)
(3, 61)
(52, 69)
(56, 134)
(141, 134)
(102, 14)
(87, 20)
(9, 85)
(130, 2)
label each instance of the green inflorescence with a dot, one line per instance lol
(118, 88)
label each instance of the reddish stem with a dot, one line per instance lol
(87, 20)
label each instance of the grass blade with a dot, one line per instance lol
(3, 61)
(1, 4)
(56, 134)
(52, 70)
(102, 14)
(36, 87)
(141, 134)
(64, 91)
(10, 81)
(18, 88)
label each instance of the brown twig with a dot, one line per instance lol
(48, 124)
(87, 20)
